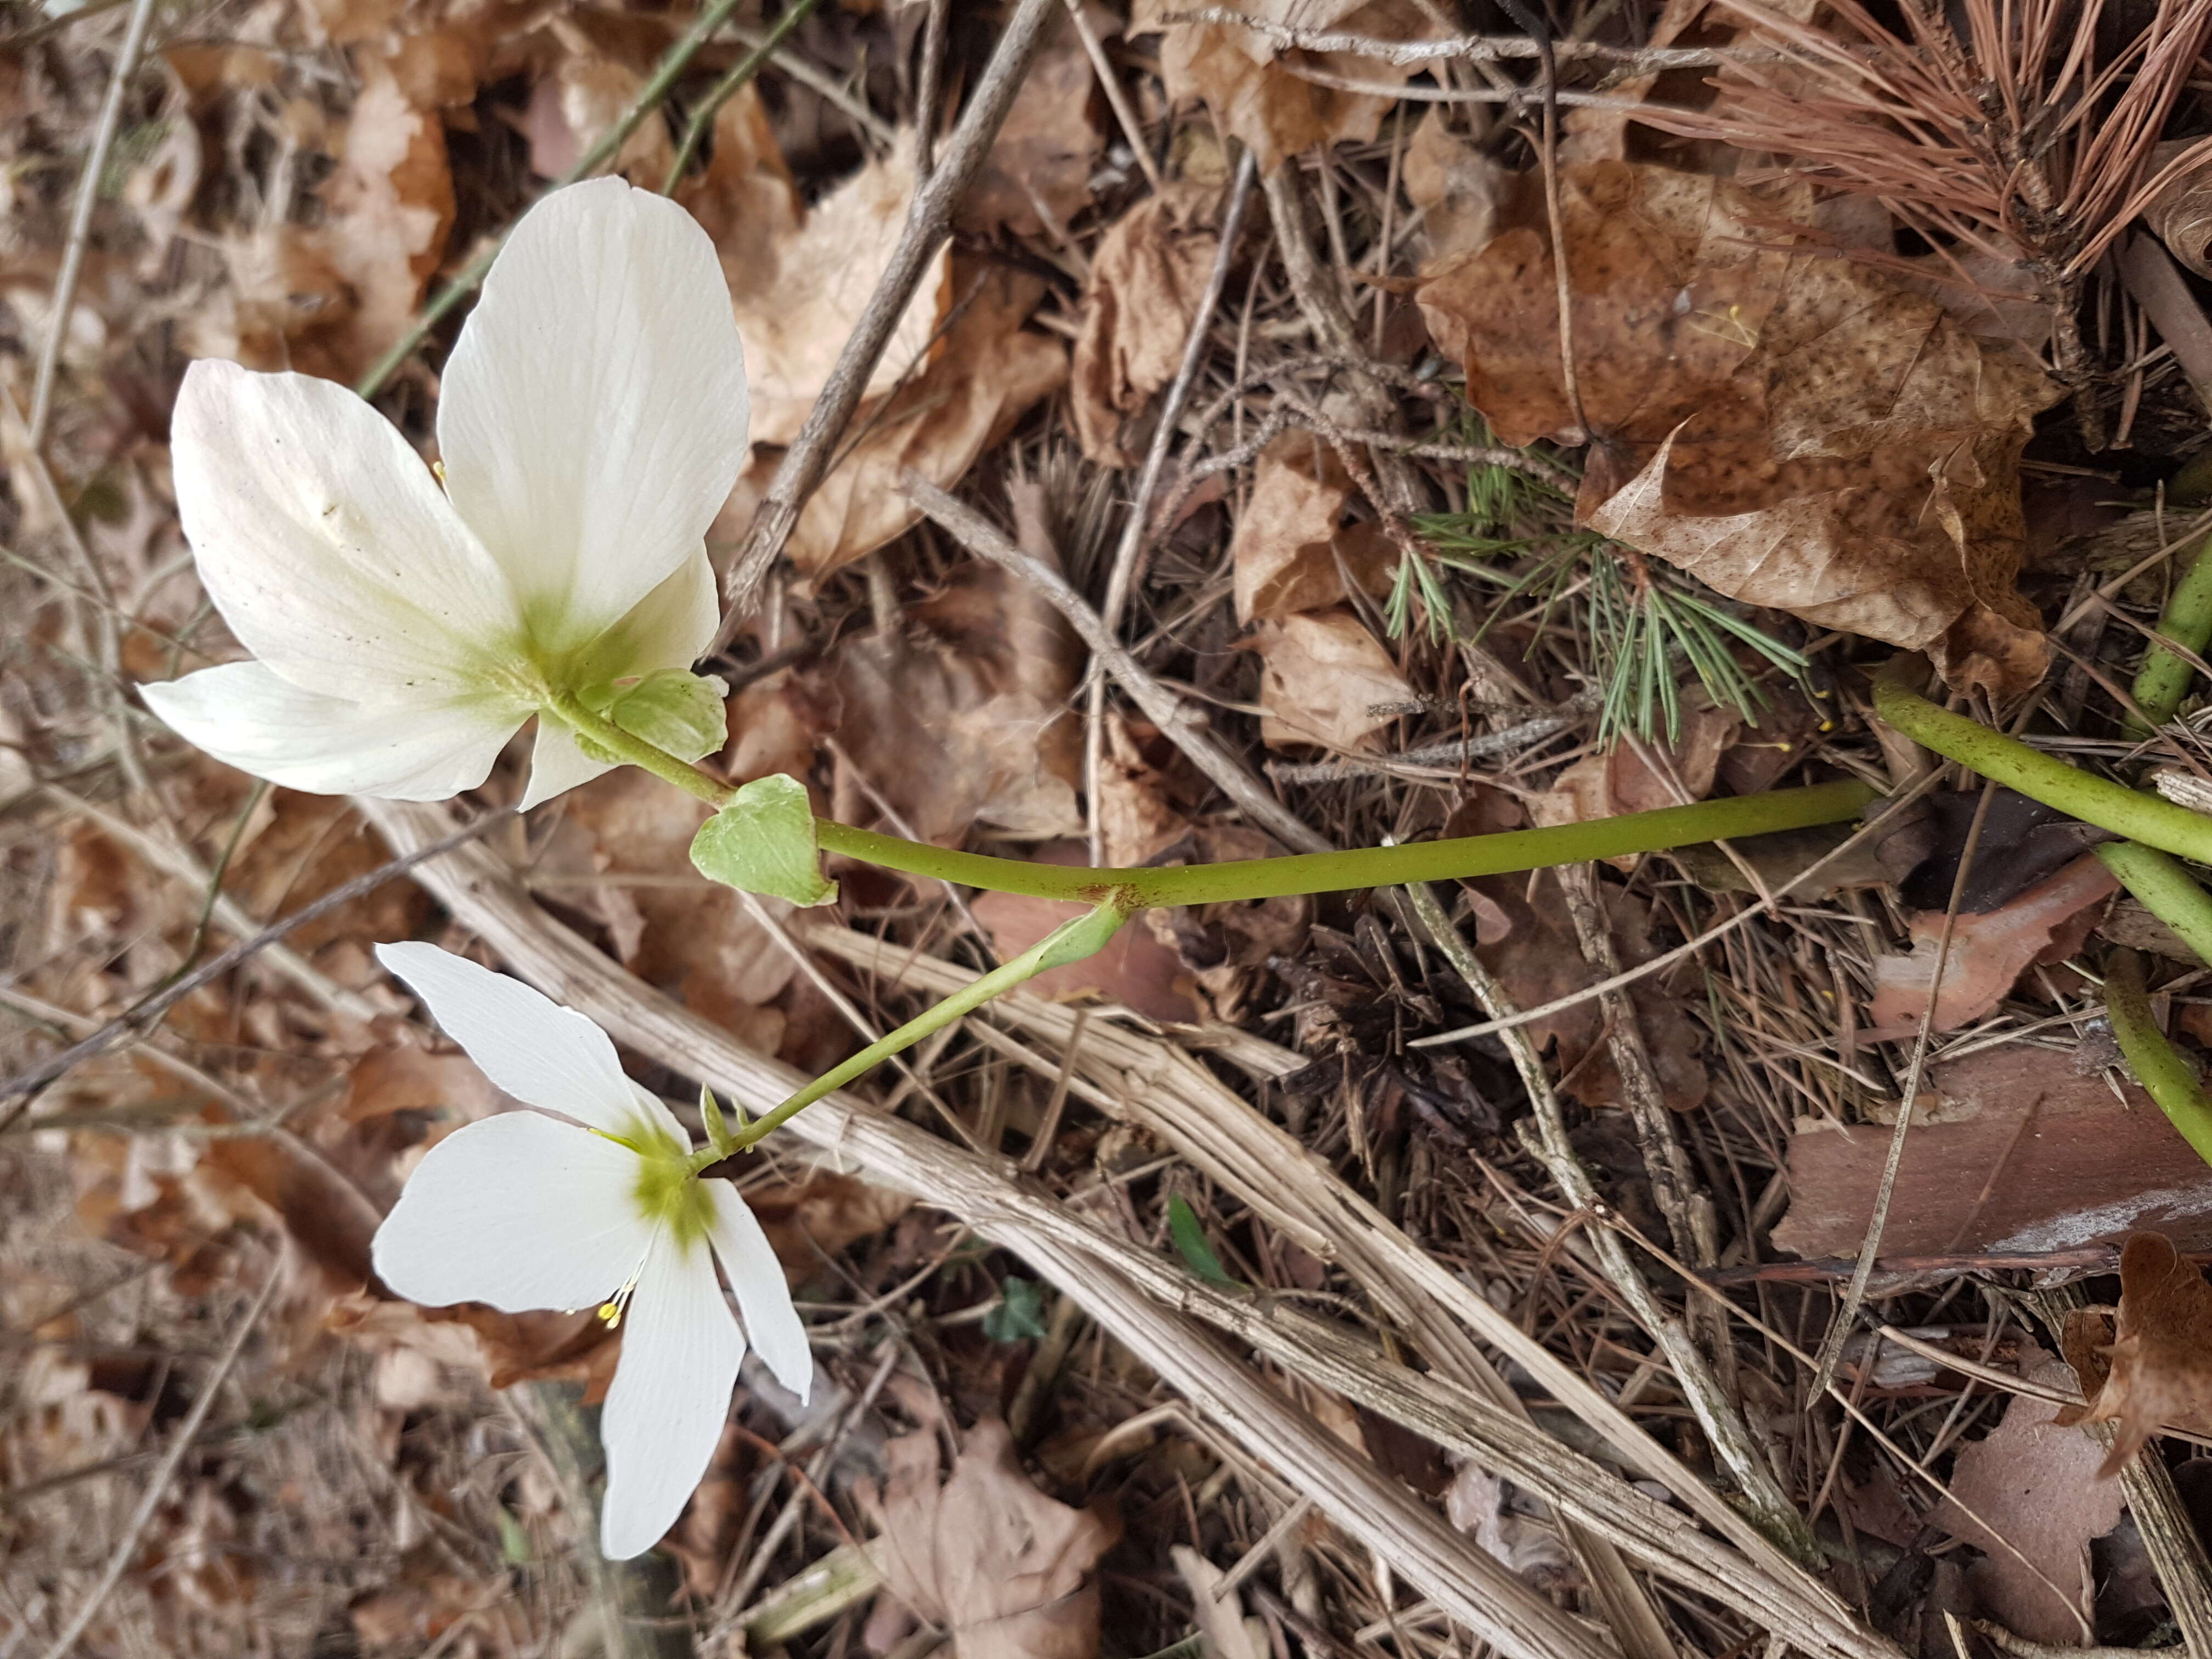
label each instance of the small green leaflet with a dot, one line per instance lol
(1189, 1235)
(672, 710)
(1019, 1316)
(763, 843)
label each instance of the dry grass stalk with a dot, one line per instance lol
(1158, 1085)
(1458, 1576)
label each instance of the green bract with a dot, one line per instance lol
(763, 843)
(672, 710)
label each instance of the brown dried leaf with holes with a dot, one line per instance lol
(1796, 431)
(985, 1554)
(2160, 1364)
(1254, 85)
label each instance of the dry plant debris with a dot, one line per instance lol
(2157, 1374)
(1794, 429)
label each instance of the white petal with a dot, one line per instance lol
(667, 629)
(246, 716)
(521, 1211)
(324, 542)
(670, 1397)
(592, 418)
(557, 765)
(763, 1299)
(525, 1043)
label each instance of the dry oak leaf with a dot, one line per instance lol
(1796, 431)
(983, 376)
(960, 714)
(1640, 777)
(987, 1555)
(1989, 950)
(2034, 1482)
(1458, 189)
(800, 293)
(1292, 551)
(2162, 1365)
(1252, 82)
(1147, 281)
(1050, 143)
(1324, 677)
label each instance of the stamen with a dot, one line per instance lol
(611, 1309)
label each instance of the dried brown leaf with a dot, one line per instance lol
(983, 376)
(961, 714)
(1641, 777)
(800, 293)
(1458, 189)
(987, 1555)
(1292, 551)
(1050, 143)
(2161, 1364)
(1147, 281)
(1989, 950)
(1324, 676)
(2035, 1484)
(1252, 84)
(1534, 952)
(1796, 431)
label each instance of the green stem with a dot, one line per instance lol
(563, 706)
(2150, 819)
(748, 66)
(2165, 889)
(2167, 1076)
(2165, 675)
(1085, 936)
(1366, 866)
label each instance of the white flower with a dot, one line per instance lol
(526, 1210)
(591, 423)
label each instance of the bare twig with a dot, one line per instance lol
(1464, 49)
(180, 1446)
(1457, 753)
(1186, 729)
(80, 230)
(1717, 1414)
(928, 223)
(1117, 96)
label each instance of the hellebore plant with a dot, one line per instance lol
(404, 625)
(603, 1205)
(592, 423)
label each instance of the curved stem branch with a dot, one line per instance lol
(2147, 818)
(1366, 866)
(2165, 889)
(2167, 1078)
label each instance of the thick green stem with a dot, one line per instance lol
(2167, 1078)
(1086, 935)
(2165, 889)
(2147, 818)
(623, 746)
(1366, 866)
(2187, 621)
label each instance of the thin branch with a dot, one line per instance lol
(927, 224)
(1464, 49)
(80, 230)
(1186, 729)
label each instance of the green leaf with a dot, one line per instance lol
(718, 1126)
(763, 843)
(678, 712)
(514, 1546)
(1190, 1241)
(1019, 1316)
